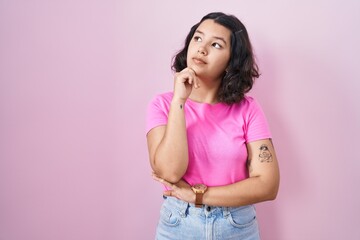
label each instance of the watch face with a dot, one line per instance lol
(200, 187)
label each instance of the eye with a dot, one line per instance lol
(197, 39)
(216, 45)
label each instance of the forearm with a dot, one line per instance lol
(171, 157)
(249, 191)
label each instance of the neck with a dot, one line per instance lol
(207, 93)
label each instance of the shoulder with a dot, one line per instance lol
(248, 103)
(249, 100)
(248, 109)
(163, 98)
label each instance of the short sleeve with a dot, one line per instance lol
(157, 113)
(257, 127)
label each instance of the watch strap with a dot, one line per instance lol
(199, 200)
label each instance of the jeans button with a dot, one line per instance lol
(208, 208)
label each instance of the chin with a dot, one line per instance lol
(197, 70)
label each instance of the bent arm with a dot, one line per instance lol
(167, 145)
(262, 184)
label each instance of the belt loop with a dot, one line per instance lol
(226, 212)
(184, 209)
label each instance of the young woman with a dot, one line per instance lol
(209, 143)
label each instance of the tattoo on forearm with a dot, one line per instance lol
(265, 154)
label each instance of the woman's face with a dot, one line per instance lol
(209, 50)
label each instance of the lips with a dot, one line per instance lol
(198, 60)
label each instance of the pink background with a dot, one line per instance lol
(75, 79)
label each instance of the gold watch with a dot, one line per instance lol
(199, 190)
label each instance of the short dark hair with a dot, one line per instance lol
(242, 70)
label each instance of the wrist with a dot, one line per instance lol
(199, 190)
(193, 197)
(178, 102)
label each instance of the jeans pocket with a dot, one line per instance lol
(169, 217)
(242, 217)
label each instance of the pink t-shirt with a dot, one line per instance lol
(217, 136)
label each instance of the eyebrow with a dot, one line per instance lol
(219, 38)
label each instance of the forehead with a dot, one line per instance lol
(213, 29)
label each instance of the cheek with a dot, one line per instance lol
(190, 48)
(222, 62)
(226, 60)
(188, 54)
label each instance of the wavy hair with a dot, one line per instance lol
(242, 70)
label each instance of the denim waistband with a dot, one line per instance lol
(185, 208)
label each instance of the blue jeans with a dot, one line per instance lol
(183, 221)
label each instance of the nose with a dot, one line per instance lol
(202, 51)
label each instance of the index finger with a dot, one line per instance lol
(192, 70)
